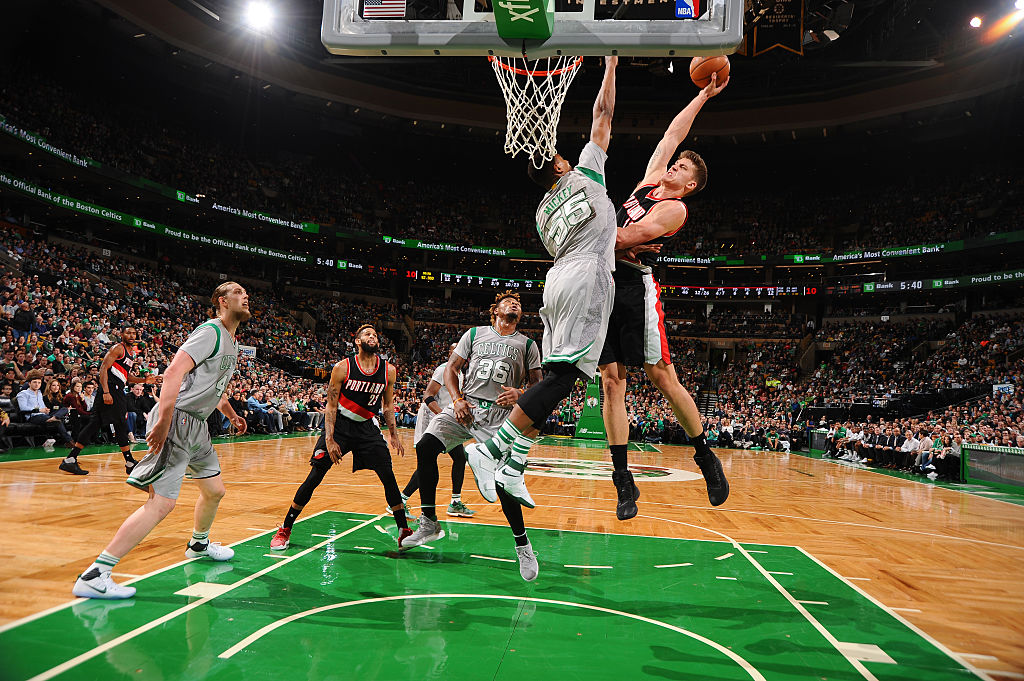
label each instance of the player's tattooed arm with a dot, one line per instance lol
(657, 162)
(339, 374)
(456, 363)
(389, 410)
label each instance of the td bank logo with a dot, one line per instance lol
(869, 288)
(387, 239)
(936, 283)
(798, 259)
(593, 470)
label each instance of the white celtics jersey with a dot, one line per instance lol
(576, 217)
(494, 361)
(444, 398)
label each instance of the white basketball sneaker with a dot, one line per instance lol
(529, 568)
(96, 584)
(483, 464)
(514, 484)
(429, 530)
(211, 550)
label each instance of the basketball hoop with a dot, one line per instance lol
(533, 97)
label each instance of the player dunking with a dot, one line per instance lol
(111, 403)
(435, 399)
(497, 360)
(179, 441)
(358, 386)
(653, 213)
(576, 223)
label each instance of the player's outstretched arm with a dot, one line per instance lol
(604, 106)
(677, 131)
(175, 374)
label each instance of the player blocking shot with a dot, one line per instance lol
(359, 387)
(496, 361)
(576, 224)
(652, 214)
(195, 384)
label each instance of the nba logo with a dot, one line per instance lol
(684, 9)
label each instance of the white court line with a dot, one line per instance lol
(724, 556)
(258, 529)
(590, 567)
(381, 530)
(274, 555)
(996, 672)
(325, 536)
(732, 579)
(364, 548)
(905, 609)
(252, 638)
(780, 573)
(124, 574)
(753, 551)
(500, 560)
(113, 643)
(68, 604)
(674, 565)
(907, 623)
(858, 579)
(813, 602)
(979, 657)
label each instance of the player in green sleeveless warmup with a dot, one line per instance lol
(194, 386)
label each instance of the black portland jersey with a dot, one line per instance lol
(117, 379)
(361, 394)
(636, 207)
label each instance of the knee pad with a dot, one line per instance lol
(540, 400)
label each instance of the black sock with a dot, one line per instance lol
(618, 457)
(73, 454)
(429, 511)
(700, 444)
(289, 519)
(400, 518)
(127, 454)
(521, 539)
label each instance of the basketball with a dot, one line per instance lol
(701, 69)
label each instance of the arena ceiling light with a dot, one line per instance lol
(259, 16)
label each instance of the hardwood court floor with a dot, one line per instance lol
(949, 564)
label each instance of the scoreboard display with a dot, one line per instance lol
(456, 280)
(739, 292)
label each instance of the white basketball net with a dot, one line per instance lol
(533, 96)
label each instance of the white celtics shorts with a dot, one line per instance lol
(578, 296)
(486, 421)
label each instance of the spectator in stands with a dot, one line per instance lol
(34, 410)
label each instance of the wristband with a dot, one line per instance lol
(429, 399)
(460, 398)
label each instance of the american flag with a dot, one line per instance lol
(378, 9)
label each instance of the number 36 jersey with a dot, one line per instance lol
(493, 360)
(576, 217)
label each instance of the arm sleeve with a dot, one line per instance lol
(465, 348)
(593, 158)
(201, 343)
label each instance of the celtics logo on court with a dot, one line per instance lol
(592, 470)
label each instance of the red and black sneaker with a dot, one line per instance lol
(403, 532)
(282, 539)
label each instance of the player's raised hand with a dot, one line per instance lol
(611, 62)
(713, 88)
(508, 397)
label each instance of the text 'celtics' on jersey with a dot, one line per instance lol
(494, 361)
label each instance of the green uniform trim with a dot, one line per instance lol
(574, 357)
(472, 336)
(595, 176)
(216, 347)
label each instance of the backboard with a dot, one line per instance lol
(644, 28)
